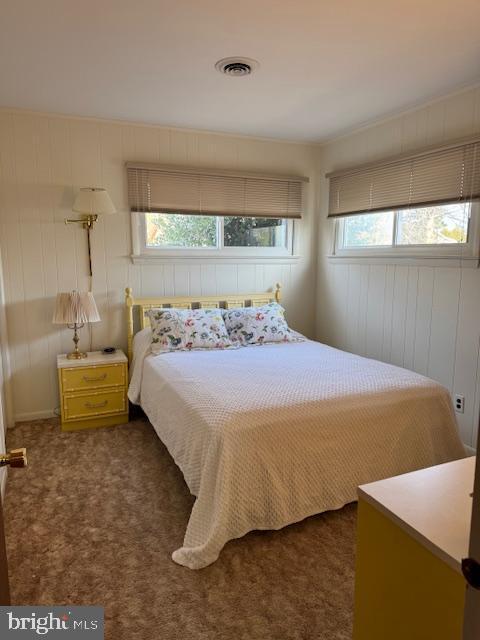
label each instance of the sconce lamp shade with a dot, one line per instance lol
(93, 202)
(75, 308)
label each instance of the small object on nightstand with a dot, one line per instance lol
(93, 392)
(109, 350)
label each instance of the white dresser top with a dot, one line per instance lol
(94, 358)
(432, 505)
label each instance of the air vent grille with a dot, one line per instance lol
(236, 67)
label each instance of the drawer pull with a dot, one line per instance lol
(95, 379)
(99, 405)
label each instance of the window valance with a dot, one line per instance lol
(163, 189)
(438, 176)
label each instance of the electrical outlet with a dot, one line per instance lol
(459, 403)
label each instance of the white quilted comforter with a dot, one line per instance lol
(266, 436)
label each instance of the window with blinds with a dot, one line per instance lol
(195, 192)
(424, 204)
(183, 210)
(441, 176)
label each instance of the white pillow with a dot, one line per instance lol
(259, 325)
(187, 329)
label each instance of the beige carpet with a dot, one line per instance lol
(96, 515)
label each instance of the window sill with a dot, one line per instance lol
(471, 262)
(196, 259)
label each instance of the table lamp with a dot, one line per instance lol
(75, 309)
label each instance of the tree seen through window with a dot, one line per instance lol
(197, 231)
(434, 225)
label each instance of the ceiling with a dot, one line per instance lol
(326, 66)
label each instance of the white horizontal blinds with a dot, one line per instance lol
(266, 198)
(178, 192)
(166, 190)
(471, 177)
(446, 175)
(138, 190)
(220, 195)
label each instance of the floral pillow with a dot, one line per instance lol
(258, 325)
(179, 329)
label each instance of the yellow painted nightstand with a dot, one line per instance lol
(93, 391)
(413, 531)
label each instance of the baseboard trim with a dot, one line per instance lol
(470, 450)
(34, 415)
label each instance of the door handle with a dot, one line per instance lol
(14, 458)
(471, 572)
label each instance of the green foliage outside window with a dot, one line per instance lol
(251, 232)
(196, 231)
(177, 230)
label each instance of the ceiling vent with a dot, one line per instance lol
(236, 67)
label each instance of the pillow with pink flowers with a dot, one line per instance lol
(186, 329)
(259, 325)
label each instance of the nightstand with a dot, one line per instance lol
(93, 391)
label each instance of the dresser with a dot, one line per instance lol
(93, 390)
(413, 531)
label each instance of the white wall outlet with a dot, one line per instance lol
(459, 403)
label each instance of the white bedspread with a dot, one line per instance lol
(266, 436)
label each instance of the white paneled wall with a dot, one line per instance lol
(43, 161)
(425, 318)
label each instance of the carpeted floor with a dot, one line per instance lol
(96, 515)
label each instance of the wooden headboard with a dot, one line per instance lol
(140, 306)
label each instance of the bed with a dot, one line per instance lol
(268, 435)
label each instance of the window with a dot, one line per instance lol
(421, 204)
(436, 230)
(167, 234)
(201, 213)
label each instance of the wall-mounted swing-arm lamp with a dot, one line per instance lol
(91, 202)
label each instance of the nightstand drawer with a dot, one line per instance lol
(84, 378)
(88, 405)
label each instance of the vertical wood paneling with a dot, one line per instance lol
(388, 313)
(423, 318)
(44, 160)
(443, 333)
(260, 283)
(246, 277)
(181, 279)
(226, 278)
(410, 316)
(375, 305)
(195, 282)
(399, 315)
(340, 284)
(363, 309)
(467, 347)
(420, 317)
(208, 279)
(353, 308)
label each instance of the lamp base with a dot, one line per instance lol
(76, 355)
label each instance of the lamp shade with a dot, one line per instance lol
(93, 202)
(75, 308)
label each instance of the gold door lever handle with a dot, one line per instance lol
(14, 458)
